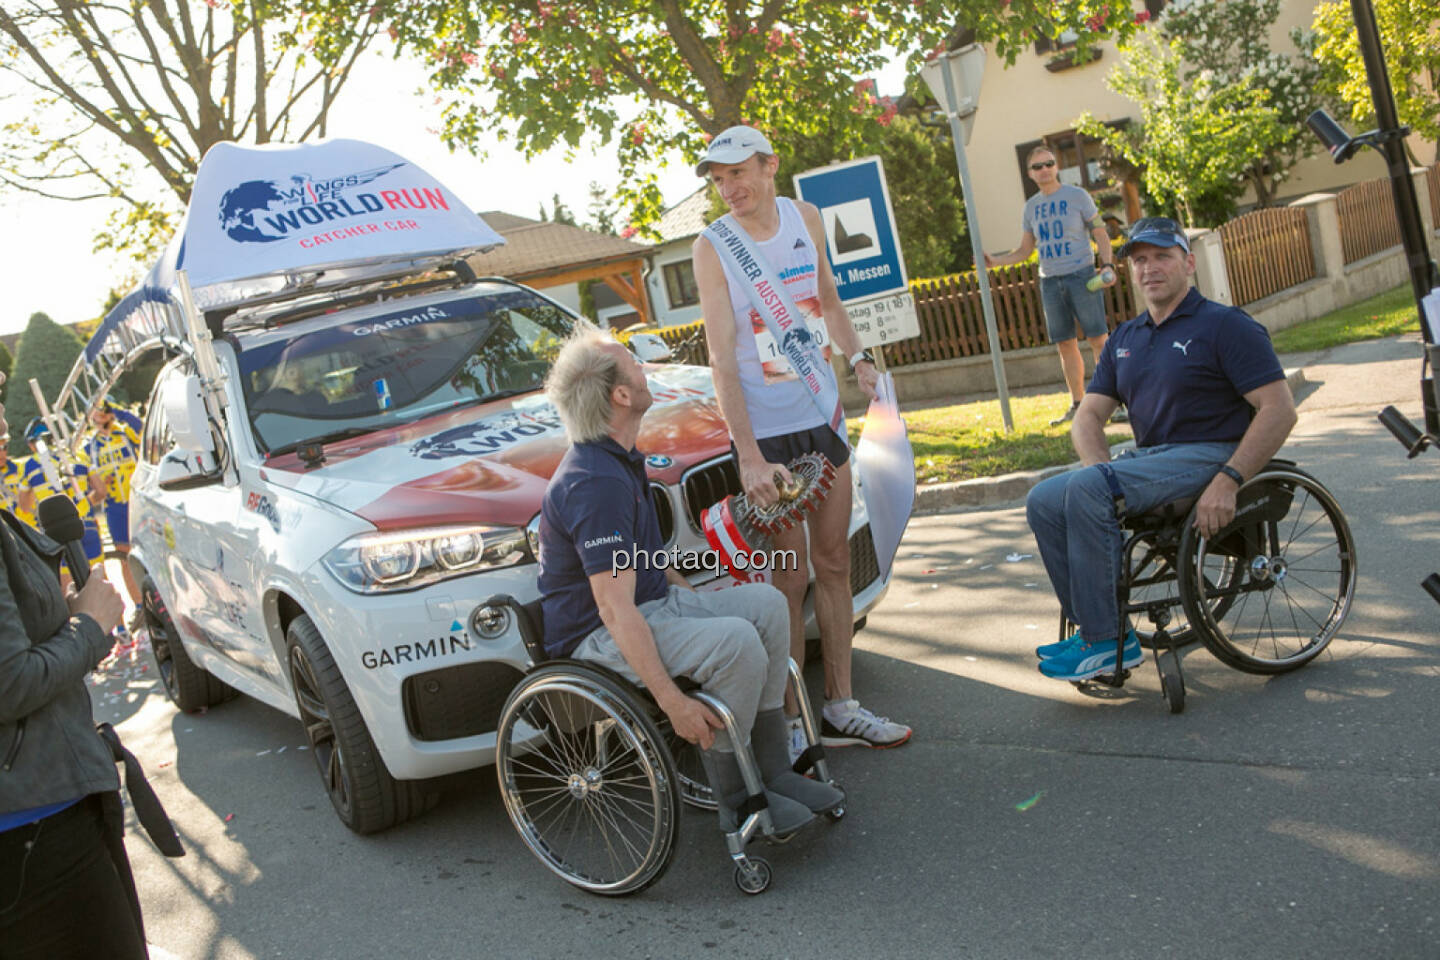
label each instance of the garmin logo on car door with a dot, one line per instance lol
(420, 650)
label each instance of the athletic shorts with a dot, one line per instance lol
(91, 541)
(1067, 303)
(117, 521)
(788, 446)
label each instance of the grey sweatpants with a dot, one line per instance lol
(735, 643)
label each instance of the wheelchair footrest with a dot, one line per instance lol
(752, 804)
(807, 760)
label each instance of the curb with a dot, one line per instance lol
(1011, 487)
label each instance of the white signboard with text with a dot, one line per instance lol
(885, 319)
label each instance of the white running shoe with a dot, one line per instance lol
(847, 724)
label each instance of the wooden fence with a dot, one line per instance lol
(1267, 251)
(952, 323)
(1367, 219)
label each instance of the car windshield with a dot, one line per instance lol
(392, 368)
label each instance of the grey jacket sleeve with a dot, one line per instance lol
(31, 675)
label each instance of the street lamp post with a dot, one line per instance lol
(954, 78)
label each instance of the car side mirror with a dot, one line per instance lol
(650, 348)
(185, 414)
(181, 469)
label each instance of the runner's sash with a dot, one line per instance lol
(782, 317)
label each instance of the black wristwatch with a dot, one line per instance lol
(1232, 473)
(862, 356)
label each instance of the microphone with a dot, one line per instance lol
(61, 523)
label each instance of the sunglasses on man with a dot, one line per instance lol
(1042, 164)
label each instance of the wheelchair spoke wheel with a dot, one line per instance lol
(1272, 589)
(587, 781)
(1153, 581)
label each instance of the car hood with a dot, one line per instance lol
(491, 463)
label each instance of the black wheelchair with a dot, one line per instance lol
(1265, 595)
(593, 777)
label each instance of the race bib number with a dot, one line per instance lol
(773, 358)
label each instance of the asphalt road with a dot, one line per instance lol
(1292, 816)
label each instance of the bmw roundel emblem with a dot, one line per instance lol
(658, 460)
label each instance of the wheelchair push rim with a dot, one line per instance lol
(587, 782)
(1271, 593)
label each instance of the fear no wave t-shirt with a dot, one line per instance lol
(1060, 224)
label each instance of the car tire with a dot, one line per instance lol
(366, 798)
(188, 685)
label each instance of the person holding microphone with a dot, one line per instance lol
(1061, 220)
(65, 885)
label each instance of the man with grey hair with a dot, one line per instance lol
(649, 625)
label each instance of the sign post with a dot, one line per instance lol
(863, 247)
(954, 78)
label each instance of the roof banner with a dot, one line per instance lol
(278, 208)
(260, 215)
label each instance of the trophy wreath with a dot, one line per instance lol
(735, 525)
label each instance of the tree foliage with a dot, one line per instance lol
(46, 353)
(1410, 38)
(1230, 39)
(121, 100)
(652, 75)
(7, 363)
(1195, 139)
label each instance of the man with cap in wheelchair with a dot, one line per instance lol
(648, 624)
(1209, 406)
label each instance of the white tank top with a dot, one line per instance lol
(778, 403)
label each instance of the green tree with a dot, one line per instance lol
(601, 210)
(1195, 139)
(1410, 37)
(123, 99)
(46, 353)
(651, 75)
(1230, 39)
(7, 363)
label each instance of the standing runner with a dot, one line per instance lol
(112, 451)
(775, 414)
(1062, 220)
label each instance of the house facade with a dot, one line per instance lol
(673, 293)
(1038, 99)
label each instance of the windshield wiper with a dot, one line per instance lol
(324, 438)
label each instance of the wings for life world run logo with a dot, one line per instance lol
(263, 211)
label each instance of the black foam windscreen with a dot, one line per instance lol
(60, 520)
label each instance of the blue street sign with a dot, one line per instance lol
(860, 236)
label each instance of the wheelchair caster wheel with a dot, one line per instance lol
(756, 879)
(1174, 692)
(835, 814)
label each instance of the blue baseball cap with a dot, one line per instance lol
(36, 429)
(1157, 232)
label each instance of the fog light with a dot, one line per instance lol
(489, 621)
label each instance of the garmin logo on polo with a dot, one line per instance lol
(263, 211)
(602, 541)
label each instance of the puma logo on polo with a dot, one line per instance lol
(1183, 347)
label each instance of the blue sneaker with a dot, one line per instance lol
(1086, 660)
(1047, 650)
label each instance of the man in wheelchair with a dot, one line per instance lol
(648, 624)
(1209, 406)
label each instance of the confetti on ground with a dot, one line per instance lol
(934, 586)
(165, 763)
(971, 659)
(302, 747)
(970, 560)
(912, 603)
(229, 817)
(931, 570)
(1024, 805)
(281, 750)
(1032, 584)
(1031, 626)
(189, 729)
(1017, 557)
(987, 566)
(263, 752)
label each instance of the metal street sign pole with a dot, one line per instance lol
(957, 135)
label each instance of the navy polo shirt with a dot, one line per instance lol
(1185, 380)
(597, 505)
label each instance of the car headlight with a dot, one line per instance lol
(407, 559)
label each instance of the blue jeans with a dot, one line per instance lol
(1067, 302)
(1073, 518)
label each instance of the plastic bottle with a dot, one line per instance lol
(1106, 275)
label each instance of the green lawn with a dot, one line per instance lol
(966, 441)
(1383, 315)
